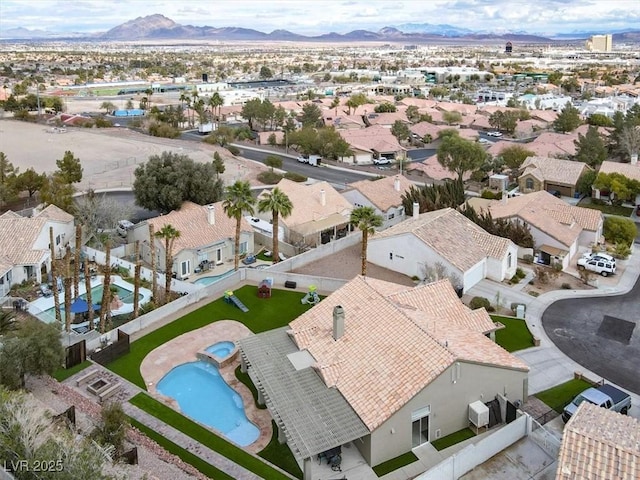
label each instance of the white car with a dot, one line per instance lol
(382, 161)
(494, 134)
(123, 227)
(598, 265)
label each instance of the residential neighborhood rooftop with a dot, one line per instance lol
(382, 193)
(554, 170)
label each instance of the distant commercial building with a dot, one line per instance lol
(599, 43)
(508, 49)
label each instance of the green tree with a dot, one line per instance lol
(107, 107)
(8, 184)
(366, 220)
(438, 92)
(265, 72)
(32, 349)
(622, 188)
(567, 120)
(619, 230)
(112, 428)
(8, 322)
(506, 121)
(400, 130)
(452, 117)
(459, 155)
(311, 115)
(56, 191)
(238, 201)
(251, 110)
(356, 100)
(165, 181)
(169, 234)
(413, 115)
(218, 164)
(278, 203)
(69, 168)
(216, 102)
(434, 197)
(514, 156)
(585, 182)
(273, 161)
(590, 148)
(600, 120)
(385, 107)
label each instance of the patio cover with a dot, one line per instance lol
(314, 418)
(553, 251)
(316, 226)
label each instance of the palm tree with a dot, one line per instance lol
(67, 282)
(54, 286)
(8, 322)
(136, 281)
(154, 273)
(238, 200)
(279, 205)
(216, 101)
(106, 290)
(76, 261)
(87, 283)
(366, 219)
(169, 233)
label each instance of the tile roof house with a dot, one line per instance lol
(468, 253)
(549, 144)
(599, 444)
(384, 195)
(369, 143)
(405, 362)
(629, 170)
(24, 244)
(551, 174)
(558, 229)
(320, 214)
(207, 238)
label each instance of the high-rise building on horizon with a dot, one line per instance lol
(600, 43)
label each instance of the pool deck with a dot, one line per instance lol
(183, 349)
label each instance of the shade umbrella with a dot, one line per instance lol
(80, 305)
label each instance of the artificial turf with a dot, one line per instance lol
(62, 374)
(452, 439)
(264, 314)
(515, 336)
(394, 464)
(280, 454)
(205, 437)
(559, 396)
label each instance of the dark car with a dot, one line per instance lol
(555, 193)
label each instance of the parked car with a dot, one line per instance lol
(605, 396)
(598, 256)
(597, 264)
(381, 161)
(123, 227)
(494, 134)
(555, 193)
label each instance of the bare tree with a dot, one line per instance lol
(439, 271)
(99, 215)
(630, 139)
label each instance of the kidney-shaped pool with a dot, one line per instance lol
(203, 395)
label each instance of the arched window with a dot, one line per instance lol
(509, 260)
(529, 184)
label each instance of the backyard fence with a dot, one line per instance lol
(109, 353)
(75, 354)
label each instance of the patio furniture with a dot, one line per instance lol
(45, 290)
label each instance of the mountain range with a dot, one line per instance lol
(158, 27)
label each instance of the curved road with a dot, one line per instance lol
(600, 333)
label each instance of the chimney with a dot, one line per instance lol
(323, 198)
(634, 159)
(416, 210)
(396, 184)
(504, 197)
(338, 322)
(211, 215)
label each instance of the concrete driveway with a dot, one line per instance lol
(600, 333)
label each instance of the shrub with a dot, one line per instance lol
(163, 130)
(491, 308)
(479, 302)
(566, 286)
(514, 307)
(620, 230)
(488, 194)
(520, 273)
(621, 251)
(295, 177)
(233, 150)
(527, 259)
(534, 294)
(515, 279)
(532, 282)
(269, 177)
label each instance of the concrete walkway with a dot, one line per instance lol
(548, 365)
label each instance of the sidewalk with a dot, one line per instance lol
(549, 366)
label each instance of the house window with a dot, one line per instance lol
(391, 215)
(185, 268)
(243, 248)
(509, 260)
(218, 255)
(420, 426)
(529, 184)
(390, 255)
(58, 240)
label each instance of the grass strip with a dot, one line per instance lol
(280, 454)
(394, 464)
(452, 439)
(515, 336)
(246, 380)
(205, 437)
(62, 374)
(188, 457)
(559, 396)
(264, 314)
(608, 209)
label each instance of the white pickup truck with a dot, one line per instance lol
(605, 396)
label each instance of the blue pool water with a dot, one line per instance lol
(221, 349)
(213, 279)
(203, 395)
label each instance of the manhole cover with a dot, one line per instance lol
(616, 329)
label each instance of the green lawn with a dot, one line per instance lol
(244, 378)
(62, 374)
(394, 464)
(280, 454)
(455, 437)
(610, 209)
(515, 336)
(205, 437)
(264, 314)
(559, 396)
(204, 467)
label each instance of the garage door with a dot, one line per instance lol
(473, 276)
(563, 189)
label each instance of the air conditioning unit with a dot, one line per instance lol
(478, 414)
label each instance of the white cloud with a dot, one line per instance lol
(321, 16)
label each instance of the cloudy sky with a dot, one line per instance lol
(321, 16)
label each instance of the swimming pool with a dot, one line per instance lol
(203, 395)
(212, 279)
(221, 349)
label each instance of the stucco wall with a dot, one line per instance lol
(522, 183)
(449, 396)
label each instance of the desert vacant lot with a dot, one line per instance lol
(109, 156)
